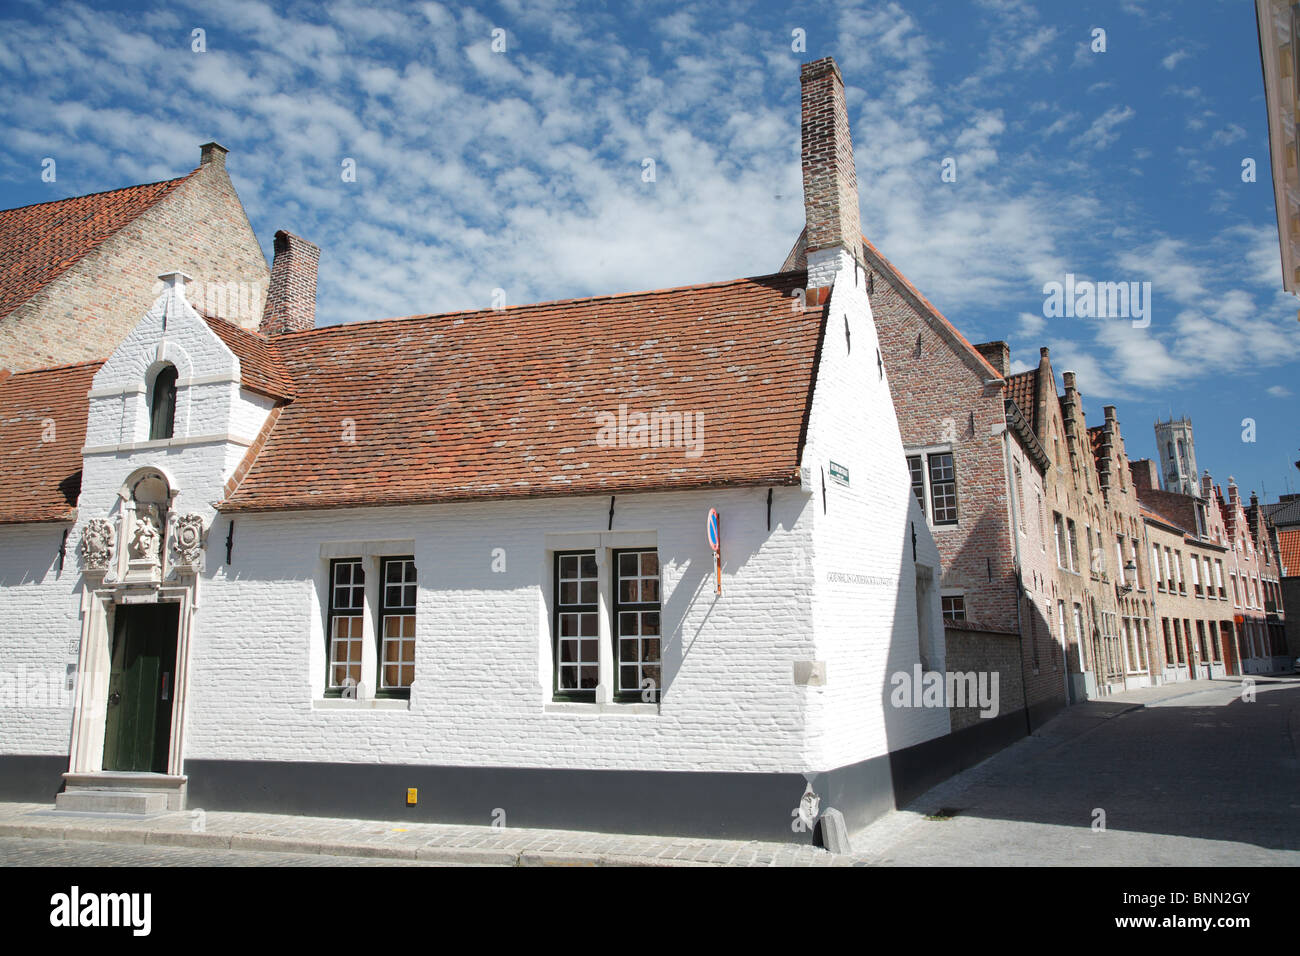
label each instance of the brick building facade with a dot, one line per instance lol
(76, 274)
(1218, 603)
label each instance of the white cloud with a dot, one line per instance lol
(1102, 132)
(1228, 135)
(1173, 59)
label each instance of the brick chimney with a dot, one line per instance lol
(1146, 474)
(830, 180)
(291, 295)
(212, 154)
(997, 354)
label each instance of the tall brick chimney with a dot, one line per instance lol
(830, 180)
(291, 295)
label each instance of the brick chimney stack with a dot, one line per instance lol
(212, 154)
(1146, 476)
(291, 295)
(830, 180)
(997, 354)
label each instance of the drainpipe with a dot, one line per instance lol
(1151, 590)
(1236, 629)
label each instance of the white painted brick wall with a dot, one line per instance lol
(865, 631)
(39, 628)
(483, 653)
(483, 638)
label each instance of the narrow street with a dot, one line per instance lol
(1197, 777)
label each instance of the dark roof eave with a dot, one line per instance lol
(67, 517)
(369, 501)
(1016, 419)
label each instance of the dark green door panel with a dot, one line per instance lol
(141, 686)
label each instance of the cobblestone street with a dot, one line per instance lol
(1196, 777)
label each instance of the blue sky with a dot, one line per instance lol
(522, 170)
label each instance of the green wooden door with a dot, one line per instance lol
(141, 686)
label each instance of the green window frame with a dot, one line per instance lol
(397, 597)
(637, 630)
(346, 624)
(576, 626)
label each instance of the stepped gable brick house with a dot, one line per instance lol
(76, 274)
(1283, 517)
(309, 569)
(1122, 559)
(1271, 570)
(1071, 514)
(1218, 590)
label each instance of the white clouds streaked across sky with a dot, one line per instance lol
(523, 170)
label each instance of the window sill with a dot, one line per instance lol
(581, 707)
(373, 703)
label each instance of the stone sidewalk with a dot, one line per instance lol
(525, 847)
(431, 842)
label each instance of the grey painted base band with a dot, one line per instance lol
(723, 805)
(31, 778)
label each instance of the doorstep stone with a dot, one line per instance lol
(111, 801)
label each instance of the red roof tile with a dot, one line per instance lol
(39, 243)
(1289, 551)
(505, 403)
(1022, 388)
(260, 369)
(42, 430)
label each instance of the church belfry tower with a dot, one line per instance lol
(1177, 456)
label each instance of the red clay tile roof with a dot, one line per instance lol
(42, 430)
(39, 243)
(1288, 542)
(498, 404)
(1022, 389)
(260, 369)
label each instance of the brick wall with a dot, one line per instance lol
(200, 229)
(991, 653)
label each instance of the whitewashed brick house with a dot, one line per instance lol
(313, 570)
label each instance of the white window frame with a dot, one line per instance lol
(951, 593)
(927, 506)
